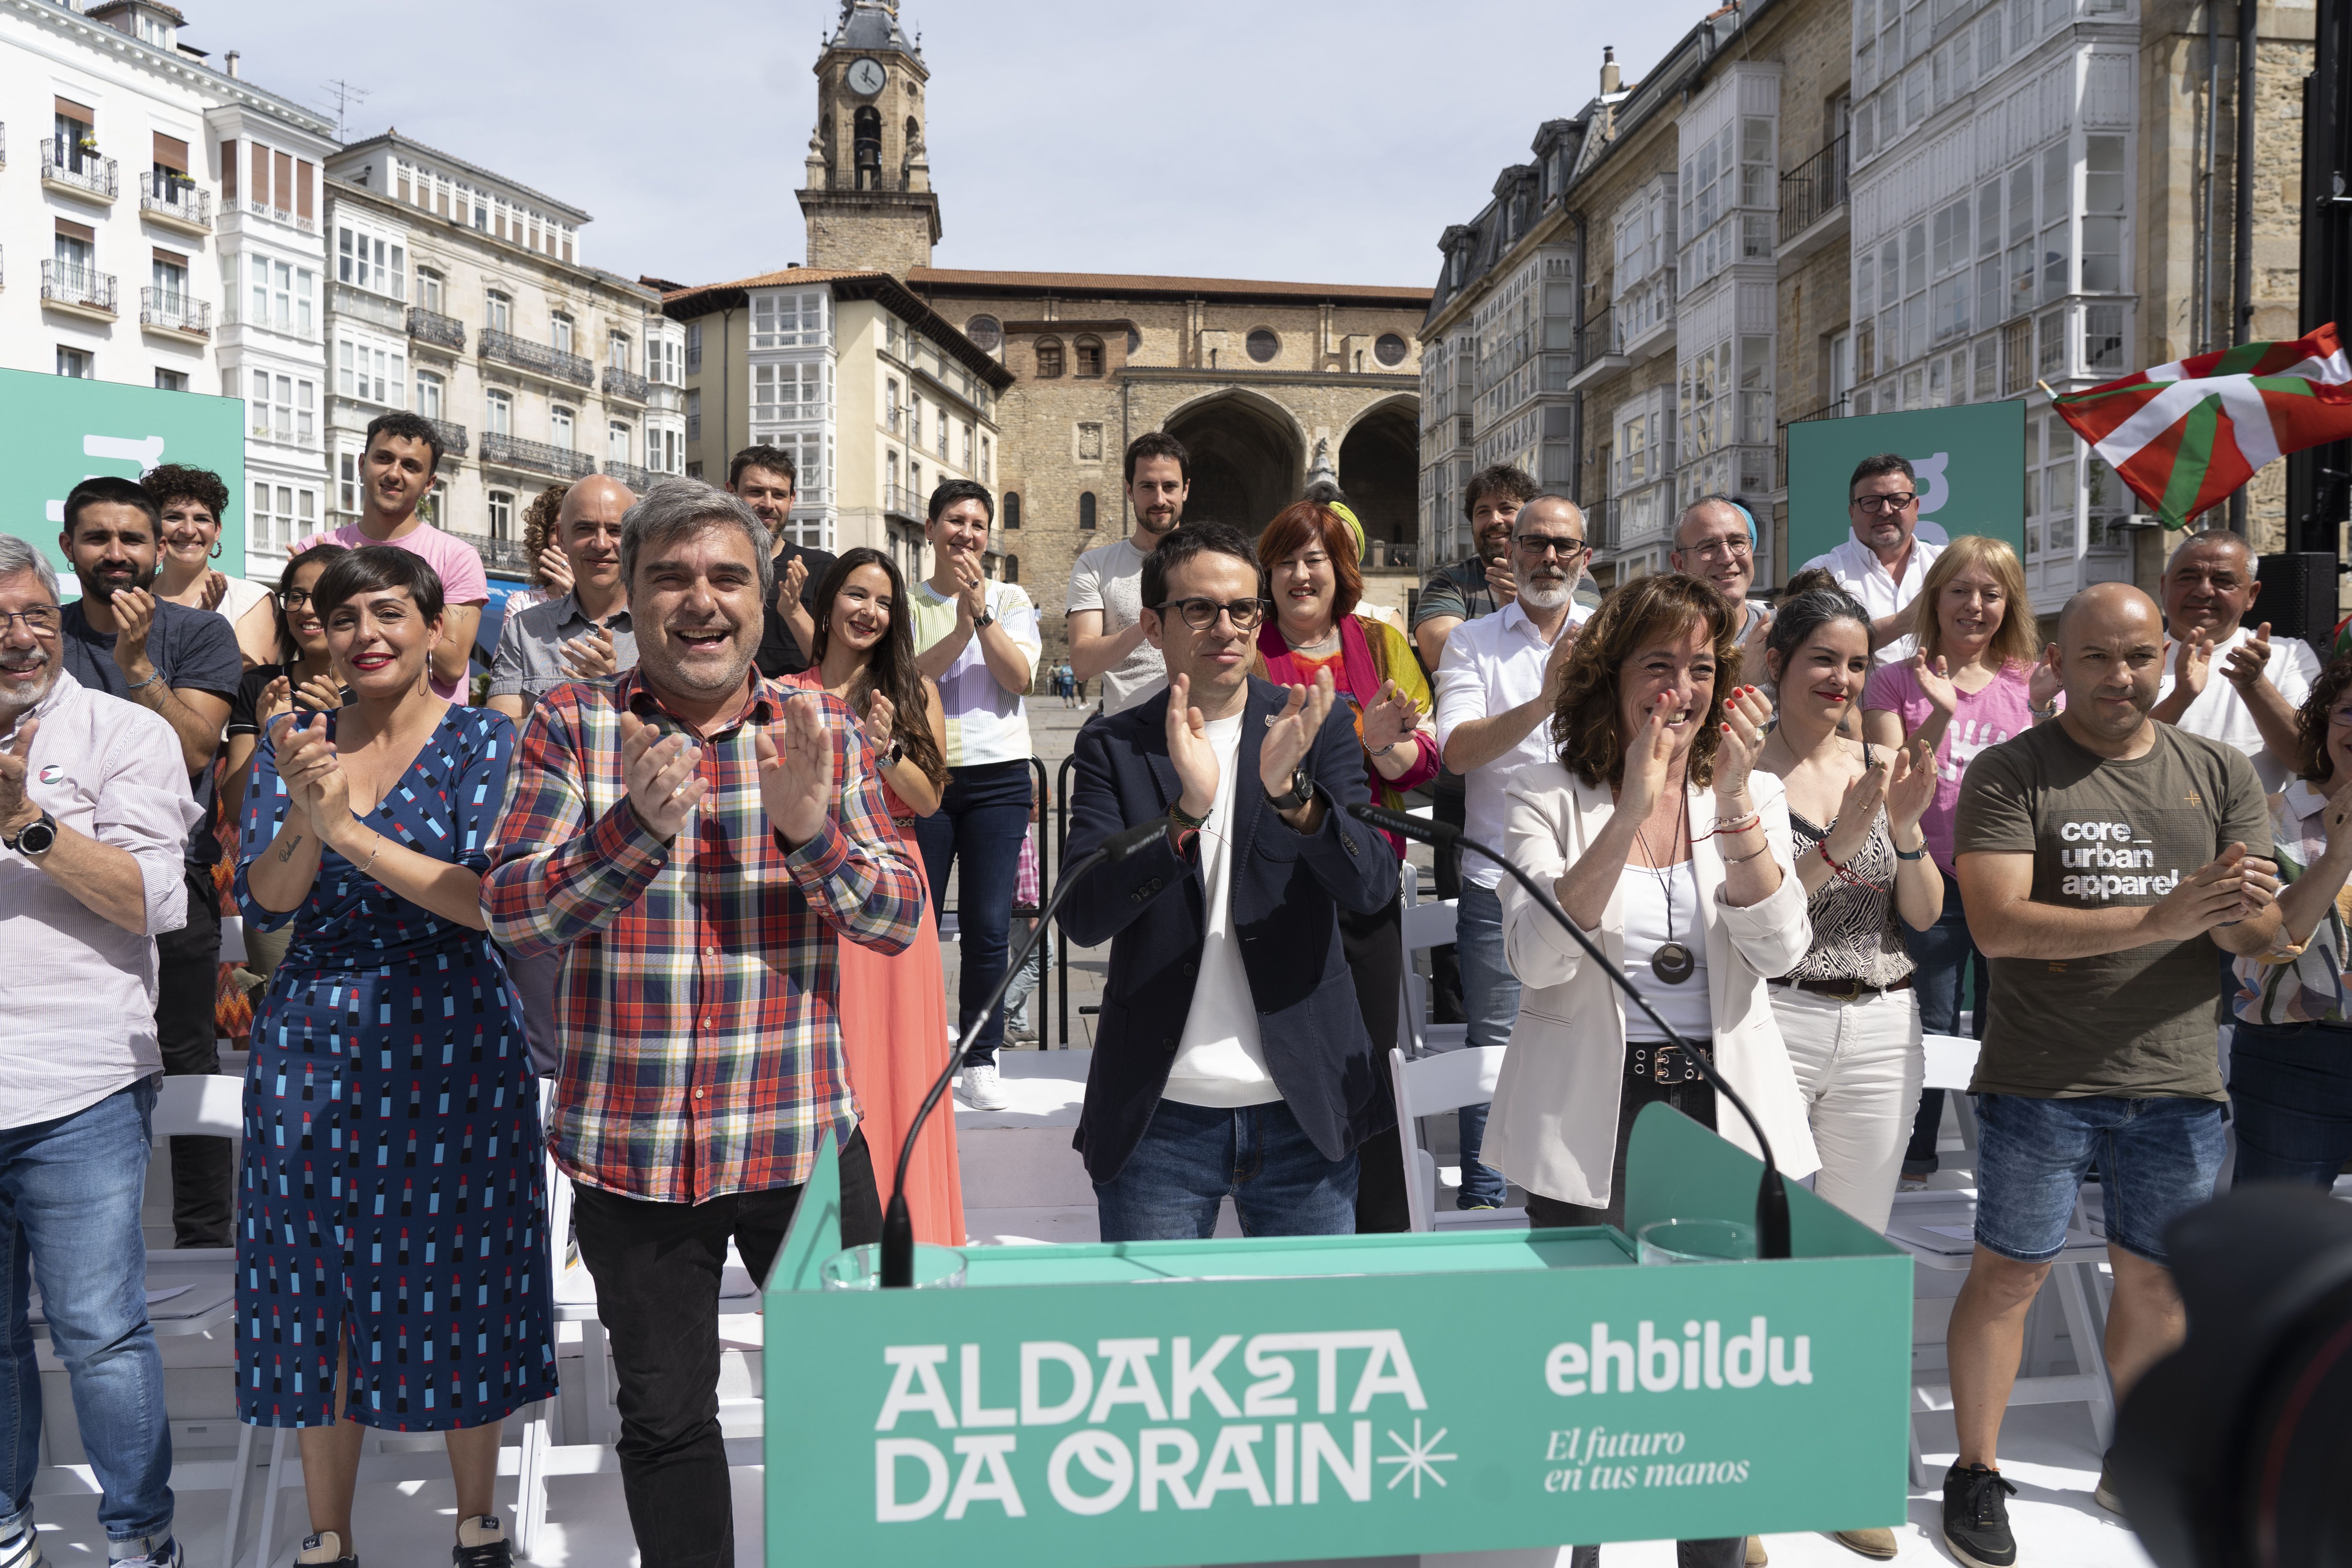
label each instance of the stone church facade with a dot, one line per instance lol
(1269, 385)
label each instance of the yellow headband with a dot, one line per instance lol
(1354, 526)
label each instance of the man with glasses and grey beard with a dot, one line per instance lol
(1884, 563)
(1496, 686)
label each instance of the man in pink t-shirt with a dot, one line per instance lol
(401, 458)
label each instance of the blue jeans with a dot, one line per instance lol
(981, 822)
(2291, 1092)
(1193, 1155)
(1946, 956)
(1490, 999)
(2157, 1159)
(1028, 985)
(69, 1195)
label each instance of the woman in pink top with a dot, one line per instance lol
(1977, 680)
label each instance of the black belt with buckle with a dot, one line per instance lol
(1663, 1063)
(1845, 990)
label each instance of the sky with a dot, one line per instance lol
(1329, 140)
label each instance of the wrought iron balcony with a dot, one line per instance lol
(511, 452)
(171, 197)
(1814, 189)
(900, 501)
(636, 478)
(524, 354)
(76, 288)
(452, 437)
(499, 555)
(79, 170)
(628, 383)
(433, 327)
(172, 311)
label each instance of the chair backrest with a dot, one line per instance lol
(1951, 1061)
(232, 940)
(209, 1105)
(1427, 925)
(1448, 1081)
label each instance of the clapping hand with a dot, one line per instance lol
(2249, 661)
(276, 697)
(215, 589)
(134, 618)
(1858, 808)
(971, 587)
(1502, 582)
(1935, 679)
(556, 568)
(662, 775)
(1649, 760)
(2260, 890)
(2043, 686)
(789, 584)
(1194, 759)
(590, 656)
(315, 781)
(1910, 788)
(881, 719)
(1556, 663)
(2193, 665)
(17, 811)
(1292, 732)
(1745, 715)
(2214, 894)
(320, 693)
(1390, 718)
(796, 784)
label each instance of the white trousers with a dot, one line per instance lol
(1858, 1064)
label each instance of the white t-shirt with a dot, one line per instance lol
(1218, 1061)
(1649, 924)
(1110, 578)
(243, 593)
(1859, 572)
(2220, 712)
(1491, 665)
(986, 722)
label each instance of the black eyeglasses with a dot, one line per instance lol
(1547, 544)
(293, 598)
(1886, 503)
(41, 620)
(1201, 614)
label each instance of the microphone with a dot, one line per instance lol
(898, 1220)
(1772, 1193)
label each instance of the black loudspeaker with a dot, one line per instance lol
(2299, 597)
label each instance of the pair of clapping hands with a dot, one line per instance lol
(663, 773)
(2192, 664)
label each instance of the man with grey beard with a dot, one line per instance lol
(1496, 686)
(94, 808)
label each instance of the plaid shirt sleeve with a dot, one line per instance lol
(854, 872)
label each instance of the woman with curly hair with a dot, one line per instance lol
(2291, 1065)
(550, 572)
(893, 1011)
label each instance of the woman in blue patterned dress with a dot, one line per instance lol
(392, 1252)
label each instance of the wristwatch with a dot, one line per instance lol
(36, 837)
(985, 618)
(1301, 791)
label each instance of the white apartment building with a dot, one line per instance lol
(1993, 184)
(461, 295)
(162, 221)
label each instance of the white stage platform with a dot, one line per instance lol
(1023, 1185)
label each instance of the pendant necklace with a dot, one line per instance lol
(1672, 962)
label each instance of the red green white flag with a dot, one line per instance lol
(2184, 435)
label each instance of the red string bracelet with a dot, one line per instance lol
(1738, 824)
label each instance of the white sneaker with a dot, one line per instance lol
(979, 1087)
(167, 1555)
(22, 1549)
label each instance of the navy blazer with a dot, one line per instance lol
(1288, 888)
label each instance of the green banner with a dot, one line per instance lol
(1297, 1399)
(1970, 461)
(62, 430)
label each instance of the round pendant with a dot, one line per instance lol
(1673, 962)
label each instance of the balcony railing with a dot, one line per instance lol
(433, 327)
(1391, 554)
(373, 308)
(511, 452)
(79, 169)
(172, 311)
(1814, 189)
(900, 501)
(525, 354)
(628, 383)
(174, 198)
(500, 555)
(62, 283)
(1601, 525)
(452, 437)
(629, 474)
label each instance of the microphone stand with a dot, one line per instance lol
(898, 1220)
(1772, 1193)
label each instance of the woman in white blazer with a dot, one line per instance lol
(1657, 839)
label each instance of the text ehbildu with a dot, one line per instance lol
(1258, 1451)
(1702, 1357)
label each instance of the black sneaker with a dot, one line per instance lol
(1976, 1517)
(482, 1543)
(2104, 1493)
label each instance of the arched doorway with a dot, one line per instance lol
(1247, 460)
(1380, 470)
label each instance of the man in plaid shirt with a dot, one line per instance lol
(693, 840)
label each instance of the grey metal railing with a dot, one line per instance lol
(66, 284)
(629, 474)
(173, 310)
(453, 437)
(628, 383)
(433, 327)
(525, 354)
(169, 194)
(1814, 189)
(82, 169)
(513, 452)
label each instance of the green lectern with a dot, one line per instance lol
(1290, 1399)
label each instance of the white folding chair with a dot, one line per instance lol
(1447, 1081)
(1424, 926)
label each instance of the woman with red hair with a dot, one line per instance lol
(1309, 557)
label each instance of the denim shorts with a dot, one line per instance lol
(2156, 1158)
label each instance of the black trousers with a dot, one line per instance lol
(204, 1177)
(656, 1267)
(1374, 945)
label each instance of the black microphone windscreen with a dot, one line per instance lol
(1420, 829)
(1127, 840)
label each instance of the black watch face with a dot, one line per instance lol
(37, 836)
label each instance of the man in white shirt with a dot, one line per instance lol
(1715, 538)
(1232, 1059)
(1106, 613)
(1884, 561)
(1497, 687)
(2222, 679)
(94, 808)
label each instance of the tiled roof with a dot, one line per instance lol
(1099, 285)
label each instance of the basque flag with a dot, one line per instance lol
(2184, 435)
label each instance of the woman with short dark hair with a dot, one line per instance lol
(392, 1248)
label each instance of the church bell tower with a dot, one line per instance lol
(867, 195)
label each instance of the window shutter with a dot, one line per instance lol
(170, 152)
(282, 193)
(302, 173)
(171, 257)
(80, 112)
(228, 170)
(82, 232)
(259, 194)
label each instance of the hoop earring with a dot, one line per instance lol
(215, 550)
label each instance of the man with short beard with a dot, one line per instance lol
(692, 840)
(1496, 691)
(1104, 619)
(93, 809)
(766, 479)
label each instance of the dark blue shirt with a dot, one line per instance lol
(192, 650)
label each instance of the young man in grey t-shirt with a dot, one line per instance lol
(2103, 858)
(1105, 621)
